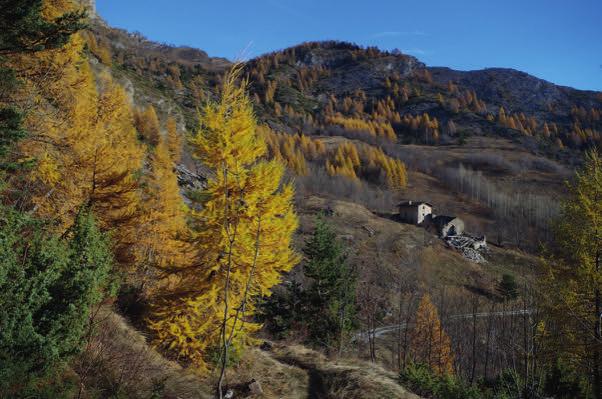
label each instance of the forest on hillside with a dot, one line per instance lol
(179, 226)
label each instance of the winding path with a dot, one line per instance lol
(380, 331)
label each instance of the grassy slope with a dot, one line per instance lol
(398, 250)
(121, 360)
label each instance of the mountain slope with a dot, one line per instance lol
(491, 146)
(299, 90)
(335, 77)
(518, 91)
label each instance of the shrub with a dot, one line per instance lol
(563, 381)
(420, 379)
(507, 287)
(47, 286)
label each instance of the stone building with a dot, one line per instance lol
(414, 212)
(448, 225)
(421, 213)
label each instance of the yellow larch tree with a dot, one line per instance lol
(82, 140)
(101, 50)
(163, 236)
(93, 160)
(174, 142)
(114, 158)
(573, 277)
(244, 233)
(374, 128)
(147, 124)
(429, 343)
(344, 161)
(367, 162)
(292, 150)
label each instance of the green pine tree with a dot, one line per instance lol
(24, 29)
(47, 288)
(331, 310)
(507, 287)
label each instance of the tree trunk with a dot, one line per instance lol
(406, 331)
(596, 349)
(474, 341)
(489, 327)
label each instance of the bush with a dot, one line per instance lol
(560, 381)
(281, 311)
(421, 380)
(507, 287)
(563, 381)
(47, 287)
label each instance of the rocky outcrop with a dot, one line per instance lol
(138, 45)
(350, 71)
(190, 180)
(370, 76)
(517, 91)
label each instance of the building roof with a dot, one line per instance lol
(442, 220)
(413, 203)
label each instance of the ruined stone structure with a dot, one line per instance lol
(448, 225)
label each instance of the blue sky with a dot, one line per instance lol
(556, 40)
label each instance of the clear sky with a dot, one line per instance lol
(556, 40)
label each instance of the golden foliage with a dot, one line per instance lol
(422, 127)
(529, 126)
(344, 162)
(101, 50)
(162, 231)
(429, 343)
(243, 234)
(82, 134)
(369, 162)
(174, 141)
(292, 150)
(147, 124)
(374, 128)
(348, 159)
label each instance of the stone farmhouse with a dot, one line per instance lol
(421, 213)
(414, 212)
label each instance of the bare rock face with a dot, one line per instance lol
(255, 388)
(191, 180)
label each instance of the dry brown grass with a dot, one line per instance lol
(388, 254)
(350, 379)
(297, 372)
(277, 379)
(118, 360)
